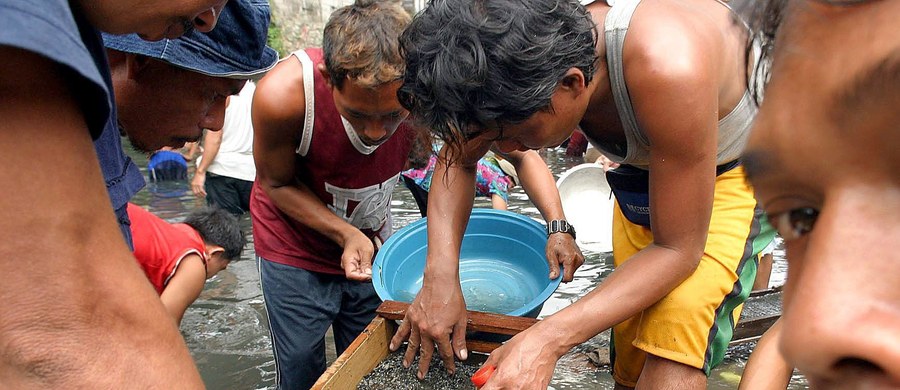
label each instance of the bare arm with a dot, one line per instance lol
(212, 140)
(94, 320)
(767, 368)
(184, 287)
(439, 310)
(278, 112)
(538, 183)
(189, 151)
(677, 108)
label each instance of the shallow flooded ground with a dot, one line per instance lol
(226, 328)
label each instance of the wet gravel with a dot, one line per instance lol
(391, 375)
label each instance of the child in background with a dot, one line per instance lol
(178, 258)
(494, 179)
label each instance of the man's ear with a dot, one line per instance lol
(573, 81)
(325, 75)
(136, 64)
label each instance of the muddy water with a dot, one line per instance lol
(226, 328)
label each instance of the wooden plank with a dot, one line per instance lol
(364, 354)
(368, 350)
(371, 347)
(481, 346)
(745, 330)
(477, 321)
(752, 330)
(768, 291)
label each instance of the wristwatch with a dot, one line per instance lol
(560, 226)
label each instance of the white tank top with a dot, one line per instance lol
(734, 128)
(235, 156)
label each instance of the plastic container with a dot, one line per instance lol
(588, 203)
(503, 267)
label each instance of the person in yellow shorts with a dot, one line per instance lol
(670, 103)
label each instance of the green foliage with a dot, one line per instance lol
(276, 40)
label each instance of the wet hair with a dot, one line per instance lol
(360, 43)
(472, 64)
(218, 227)
(422, 149)
(764, 18)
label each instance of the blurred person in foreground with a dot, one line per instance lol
(834, 90)
(77, 311)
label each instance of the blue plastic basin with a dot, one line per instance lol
(502, 267)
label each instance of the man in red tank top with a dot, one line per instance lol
(329, 144)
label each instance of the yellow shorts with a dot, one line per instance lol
(694, 323)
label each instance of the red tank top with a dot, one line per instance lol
(160, 246)
(356, 186)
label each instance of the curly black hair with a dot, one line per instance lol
(218, 227)
(472, 64)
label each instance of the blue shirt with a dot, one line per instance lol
(53, 29)
(123, 177)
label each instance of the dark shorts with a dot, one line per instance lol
(228, 193)
(301, 305)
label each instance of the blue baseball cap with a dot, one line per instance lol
(235, 48)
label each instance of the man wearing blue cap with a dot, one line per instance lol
(168, 91)
(77, 311)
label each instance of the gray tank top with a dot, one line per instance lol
(734, 128)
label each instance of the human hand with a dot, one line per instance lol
(436, 314)
(357, 257)
(523, 362)
(606, 163)
(198, 183)
(562, 250)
